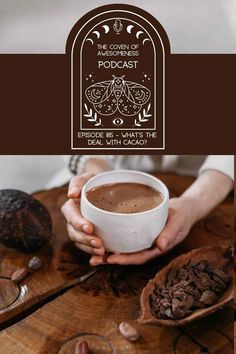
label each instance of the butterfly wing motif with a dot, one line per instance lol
(108, 106)
(107, 99)
(101, 95)
(137, 93)
(98, 92)
(133, 98)
(127, 107)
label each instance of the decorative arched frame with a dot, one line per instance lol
(117, 56)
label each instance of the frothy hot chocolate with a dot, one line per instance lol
(125, 198)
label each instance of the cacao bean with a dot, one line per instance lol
(128, 331)
(35, 263)
(19, 274)
(82, 347)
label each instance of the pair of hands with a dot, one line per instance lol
(81, 231)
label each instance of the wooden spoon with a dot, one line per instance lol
(218, 256)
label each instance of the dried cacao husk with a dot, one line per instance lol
(217, 256)
(25, 223)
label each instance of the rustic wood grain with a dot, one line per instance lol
(110, 296)
(48, 280)
(9, 292)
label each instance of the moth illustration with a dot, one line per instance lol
(110, 96)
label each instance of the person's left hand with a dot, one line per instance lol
(179, 223)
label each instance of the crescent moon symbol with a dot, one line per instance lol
(138, 34)
(97, 34)
(129, 28)
(90, 40)
(106, 28)
(145, 40)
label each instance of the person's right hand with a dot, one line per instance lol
(79, 229)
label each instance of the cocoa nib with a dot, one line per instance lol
(208, 297)
(187, 289)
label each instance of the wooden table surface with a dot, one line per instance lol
(44, 318)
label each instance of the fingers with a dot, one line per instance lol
(168, 234)
(137, 258)
(90, 244)
(71, 212)
(134, 258)
(81, 237)
(80, 230)
(98, 260)
(90, 250)
(76, 185)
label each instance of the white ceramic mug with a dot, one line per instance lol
(125, 233)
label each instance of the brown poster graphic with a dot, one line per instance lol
(117, 56)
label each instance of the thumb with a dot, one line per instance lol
(167, 236)
(76, 185)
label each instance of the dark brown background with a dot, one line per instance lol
(35, 104)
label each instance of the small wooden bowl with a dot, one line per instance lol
(218, 256)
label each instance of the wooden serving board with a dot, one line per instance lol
(49, 319)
